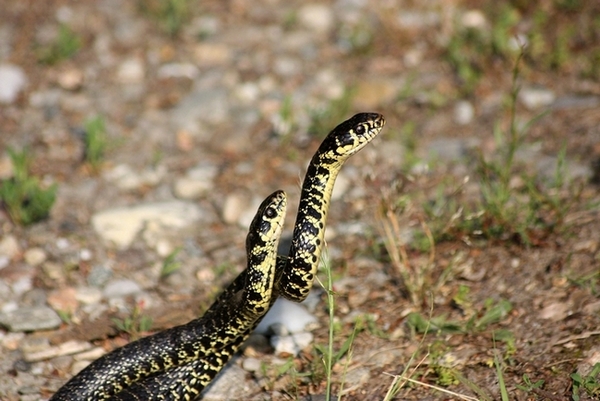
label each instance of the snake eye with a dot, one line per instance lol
(360, 130)
(270, 212)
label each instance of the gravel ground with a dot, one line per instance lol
(204, 122)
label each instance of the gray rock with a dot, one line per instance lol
(230, 384)
(201, 106)
(99, 275)
(121, 225)
(196, 182)
(12, 81)
(121, 288)
(32, 318)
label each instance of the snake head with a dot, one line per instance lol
(351, 136)
(267, 223)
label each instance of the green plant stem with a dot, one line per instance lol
(331, 306)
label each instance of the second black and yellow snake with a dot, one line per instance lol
(178, 363)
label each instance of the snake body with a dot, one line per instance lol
(178, 363)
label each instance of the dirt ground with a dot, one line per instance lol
(475, 286)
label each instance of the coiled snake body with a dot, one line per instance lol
(178, 363)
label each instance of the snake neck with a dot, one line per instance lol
(297, 271)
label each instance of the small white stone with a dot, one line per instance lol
(316, 17)
(9, 246)
(251, 365)
(35, 256)
(474, 19)
(85, 255)
(463, 112)
(12, 81)
(62, 243)
(293, 316)
(292, 344)
(163, 247)
(248, 92)
(534, 98)
(131, 71)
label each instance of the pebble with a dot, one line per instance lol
(356, 377)
(235, 206)
(63, 300)
(121, 225)
(289, 314)
(9, 246)
(22, 285)
(555, 312)
(178, 70)
(6, 167)
(201, 106)
(35, 256)
(474, 19)
(120, 288)
(99, 275)
(127, 179)
(463, 112)
(88, 295)
(71, 79)
(292, 344)
(196, 182)
(131, 71)
(251, 364)
(32, 318)
(4, 261)
(12, 81)
(48, 352)
(316, 17)
(535, 98)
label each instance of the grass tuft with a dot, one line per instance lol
(22, 195)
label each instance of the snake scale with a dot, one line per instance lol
(178, 363)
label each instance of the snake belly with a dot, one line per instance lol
(216, 336)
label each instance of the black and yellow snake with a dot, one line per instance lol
(178, 363)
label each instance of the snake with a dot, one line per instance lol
(178, 363)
